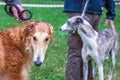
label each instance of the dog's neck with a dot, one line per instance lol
(17, 36)
(87, 31)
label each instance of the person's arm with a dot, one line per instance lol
(110, 6)
(110, 15)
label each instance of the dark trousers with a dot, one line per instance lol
(74, 65)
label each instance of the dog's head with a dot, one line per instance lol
(73, 23)
(38, 36)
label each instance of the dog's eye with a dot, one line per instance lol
(79, 20)
(34, 38)
(46, 39)
(68, 23)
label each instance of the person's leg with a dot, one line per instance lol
(74, 65)
(93, 20)
(74, 69)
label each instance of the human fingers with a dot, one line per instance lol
(106, 22)
(21, 9)
(112, 25)
(15, 13)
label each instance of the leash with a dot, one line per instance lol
(8, 10)
(83, 13)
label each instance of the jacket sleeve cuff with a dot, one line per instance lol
(111, 17)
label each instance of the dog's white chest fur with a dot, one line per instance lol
(89, 44)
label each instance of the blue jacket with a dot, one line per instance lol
(93, 7)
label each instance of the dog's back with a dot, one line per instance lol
(107, 41)
(10, 55)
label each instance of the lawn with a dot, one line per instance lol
(53, 67)
(41, 1)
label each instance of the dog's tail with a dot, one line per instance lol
(84, 9)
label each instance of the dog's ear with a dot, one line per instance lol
(24, 23)
(51, 32)
(51, 28)
(29, 28)
(79, 20)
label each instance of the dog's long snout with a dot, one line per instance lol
(38, 62)
(64, 27)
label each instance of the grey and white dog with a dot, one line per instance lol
(96, 45)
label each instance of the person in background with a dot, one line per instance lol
(74, 64)
(14, 10)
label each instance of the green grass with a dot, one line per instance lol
(41, 1)
(53, 67)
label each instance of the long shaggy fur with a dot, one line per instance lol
(16, 50)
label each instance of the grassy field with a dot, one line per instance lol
(41, 1)
(53, 67)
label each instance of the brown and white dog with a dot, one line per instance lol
(19, 45)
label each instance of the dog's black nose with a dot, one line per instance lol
(60, 29)
(38, 62)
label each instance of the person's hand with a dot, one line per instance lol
(15, 9)
(15, 12)
(111, 22)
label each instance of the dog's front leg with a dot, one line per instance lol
(85, 64)
(100, 68)
(85, 70)
(94, 69)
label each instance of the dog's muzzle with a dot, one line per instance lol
(38, 62)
